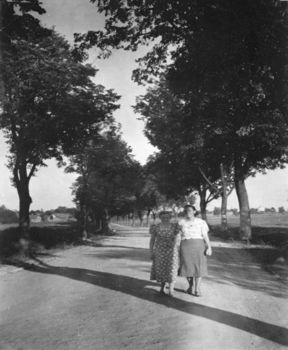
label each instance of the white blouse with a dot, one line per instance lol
(195, 229)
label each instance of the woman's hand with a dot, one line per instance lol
(208, 251)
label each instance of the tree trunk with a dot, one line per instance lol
(99, 224)
(106, 222)
(24, 219)
(203, 206)
(21, 180)
(148, 217)
(245, 218)
(84, 222)
(224, 197)
(224, 223)
(203, 203)
(133, 218)
(24, 206)
(140, 216)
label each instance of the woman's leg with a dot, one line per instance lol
(171, 288)
(162, 287)
(190, 281)
(197, 285)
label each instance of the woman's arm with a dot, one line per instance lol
(177, 234)
(173, 238)
(206, 239)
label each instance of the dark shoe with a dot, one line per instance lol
(189, 291)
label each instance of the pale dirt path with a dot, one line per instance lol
(99, 297)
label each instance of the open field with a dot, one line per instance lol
(258, 220)
(267, 229)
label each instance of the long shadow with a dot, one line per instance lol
(117, 251)
(247, 268)
(127, 253)
(138, 288)
(105, 245)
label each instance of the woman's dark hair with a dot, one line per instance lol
(189, 206)
(164, 212)
(186, 206)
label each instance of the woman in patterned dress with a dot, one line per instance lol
(194, 247)
(165, 252)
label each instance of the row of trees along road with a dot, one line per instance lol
(50, 104)
(112, 183)
(108, 179)
(223, 65)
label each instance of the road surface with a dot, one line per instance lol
(98, 296)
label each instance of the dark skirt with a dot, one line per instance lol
(193, 262)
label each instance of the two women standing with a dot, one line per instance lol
(191, 234)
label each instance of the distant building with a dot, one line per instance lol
(230, 212)
(35, 218)
(51, 218)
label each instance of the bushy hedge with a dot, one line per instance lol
(52, 236)
(275, 236)
(8, 241)
(48, 237)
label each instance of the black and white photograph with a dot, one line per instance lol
(143, 174)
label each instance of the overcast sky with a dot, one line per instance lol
(51, 187)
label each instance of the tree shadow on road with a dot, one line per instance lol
(121, 252)
(249, 268)
(140, 289)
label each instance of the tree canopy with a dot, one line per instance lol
(51, 104)
(17, 21)
(227, 64)
(186, 158)
(108, 177)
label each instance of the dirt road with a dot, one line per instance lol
(99, 296)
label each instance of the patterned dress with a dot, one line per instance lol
(165, 262)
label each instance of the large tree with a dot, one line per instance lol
(229, 57)
(235, 71)
(188, 161)
(50, 104)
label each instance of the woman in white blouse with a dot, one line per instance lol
(195, 245)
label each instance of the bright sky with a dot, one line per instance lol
(52, 187)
